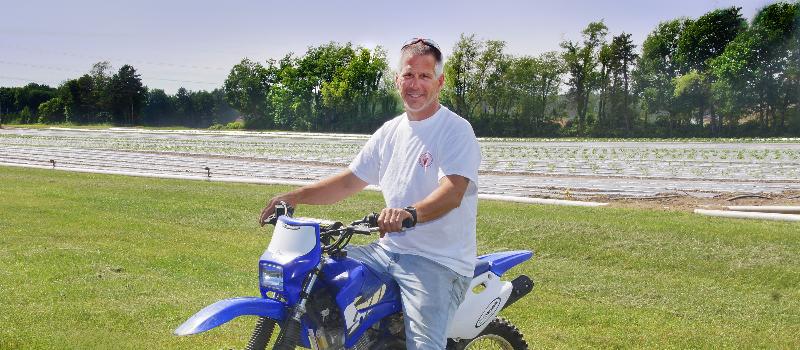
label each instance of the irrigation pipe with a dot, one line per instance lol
(747, 196)
(783, 209)
(204, 177)
(540, 200)
(748, 215)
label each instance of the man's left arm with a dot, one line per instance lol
(459, 165)
(441, 201)
(445, 198)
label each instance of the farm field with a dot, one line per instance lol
(93, 261)
(527, 168)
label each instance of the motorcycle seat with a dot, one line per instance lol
(481, 266)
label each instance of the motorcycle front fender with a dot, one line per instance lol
(223, 311)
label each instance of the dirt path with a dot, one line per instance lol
(672, 201)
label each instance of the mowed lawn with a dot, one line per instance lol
(112, 262)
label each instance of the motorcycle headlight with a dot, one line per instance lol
(271, 277)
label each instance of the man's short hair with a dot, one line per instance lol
(421, 47)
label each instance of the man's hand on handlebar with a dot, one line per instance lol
(393, 219)
(287, 198)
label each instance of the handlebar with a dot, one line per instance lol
(330, 229)
(371, 220)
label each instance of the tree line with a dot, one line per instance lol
(716, 75)
(119, 98)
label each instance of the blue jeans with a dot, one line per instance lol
(431, 293)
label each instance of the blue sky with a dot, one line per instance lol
(195, 43)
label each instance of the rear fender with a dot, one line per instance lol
(503, 261)
(485, 297)
(223, 311)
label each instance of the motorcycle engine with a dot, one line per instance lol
(329, 334)
(324, 313)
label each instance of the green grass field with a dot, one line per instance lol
(100, 262)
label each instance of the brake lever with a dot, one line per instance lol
(281, 208)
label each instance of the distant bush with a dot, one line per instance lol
(52, 111)
(236, 125)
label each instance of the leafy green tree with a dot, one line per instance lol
(655, 71)
(352, 92)
(581, 61)
(184, 107)
(203, 106)
(477, 84)
(25, 115)
(605, 59)
(101, 74)
(691, 92)
(78, 98)
(31, 96)
(332, 87)
(534, 83)
(286, 105)
(247, 89)
(222, 111)
(701, 41)
(8, 104)
(757, 71)
(459, 71)
(319, 65)
(127, 95)
(501, 94)
(706, 37)
(491, 86)
(621, 57)
(158, 109)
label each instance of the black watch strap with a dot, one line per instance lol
(413, 212)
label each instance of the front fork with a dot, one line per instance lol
(290, 333)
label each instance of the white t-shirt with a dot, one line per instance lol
(407, 159)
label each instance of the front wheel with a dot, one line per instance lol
(499, 334)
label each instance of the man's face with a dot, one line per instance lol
(418, 85)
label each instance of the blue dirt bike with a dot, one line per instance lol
(321, 299)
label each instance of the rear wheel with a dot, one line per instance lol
(499, 334)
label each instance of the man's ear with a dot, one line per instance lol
(441, 81)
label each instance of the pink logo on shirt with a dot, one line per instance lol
(425, 160)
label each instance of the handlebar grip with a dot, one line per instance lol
(372, 221)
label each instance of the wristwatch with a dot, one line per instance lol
(413, 212)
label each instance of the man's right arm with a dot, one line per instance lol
(326, 191)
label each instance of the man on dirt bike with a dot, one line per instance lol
(426, 164)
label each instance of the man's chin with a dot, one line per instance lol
(414, 108)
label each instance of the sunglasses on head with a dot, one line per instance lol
(428, 42)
